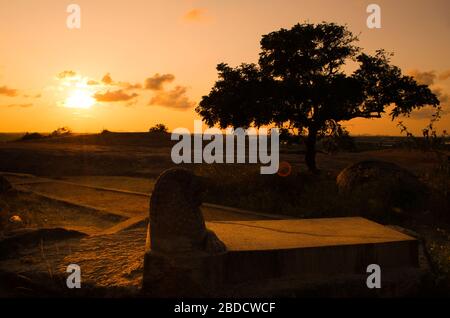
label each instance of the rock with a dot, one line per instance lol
(15, 219)
(381, 187)
(5, 186)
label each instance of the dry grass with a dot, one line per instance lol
(298, 195)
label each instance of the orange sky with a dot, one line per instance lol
(161, 56)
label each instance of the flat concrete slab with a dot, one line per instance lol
(310, 248)
(302, 233)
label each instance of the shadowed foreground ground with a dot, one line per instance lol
(109, 226)
(113, 261)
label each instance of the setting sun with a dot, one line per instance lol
(79, 99)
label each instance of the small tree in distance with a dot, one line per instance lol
(160, 128)
(300, 83)
(61, 132)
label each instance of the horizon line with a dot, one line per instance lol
(169, 132)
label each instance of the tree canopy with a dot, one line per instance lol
(159, 128)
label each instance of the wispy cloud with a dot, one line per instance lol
(175, 98)
(129, 86)
(424, 78)
(196, 15)
(443, 97)
(10, 92)
(109, 90)
(107, 79)
(18, 105)
(444, 75)
(157, 81)
(32, 96)
(432, 79)
(114, 96)
(66, 74)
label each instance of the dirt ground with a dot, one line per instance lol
(111, 262)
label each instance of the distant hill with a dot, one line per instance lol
(139, 139)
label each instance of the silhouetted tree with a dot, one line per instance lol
(32, 136)
(300, 82)
(159, 128)
(60, 132)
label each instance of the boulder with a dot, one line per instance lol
(380, 187)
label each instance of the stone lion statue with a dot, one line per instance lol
(176, 222)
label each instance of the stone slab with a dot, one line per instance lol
(302, 233)
(310, 248)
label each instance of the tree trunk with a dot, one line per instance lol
(310, 156)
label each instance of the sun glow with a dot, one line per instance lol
(79, 98)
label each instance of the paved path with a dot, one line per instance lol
(133, 205)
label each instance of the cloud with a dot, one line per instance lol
(175, 98)
(431, 78)
(107, 79)
(196, 15)
(128, 86)
(10, 92)
(131, 103)
(65, 74)
(424, 78)
(18, 105)
(109, 90)
(424, 113)
(32, 96)
(114, 96)
(157, 81)
(441, 95)
(428, 111)
(444, 75)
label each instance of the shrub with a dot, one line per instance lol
(61, 132)
(159, 128)
(32, 136)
